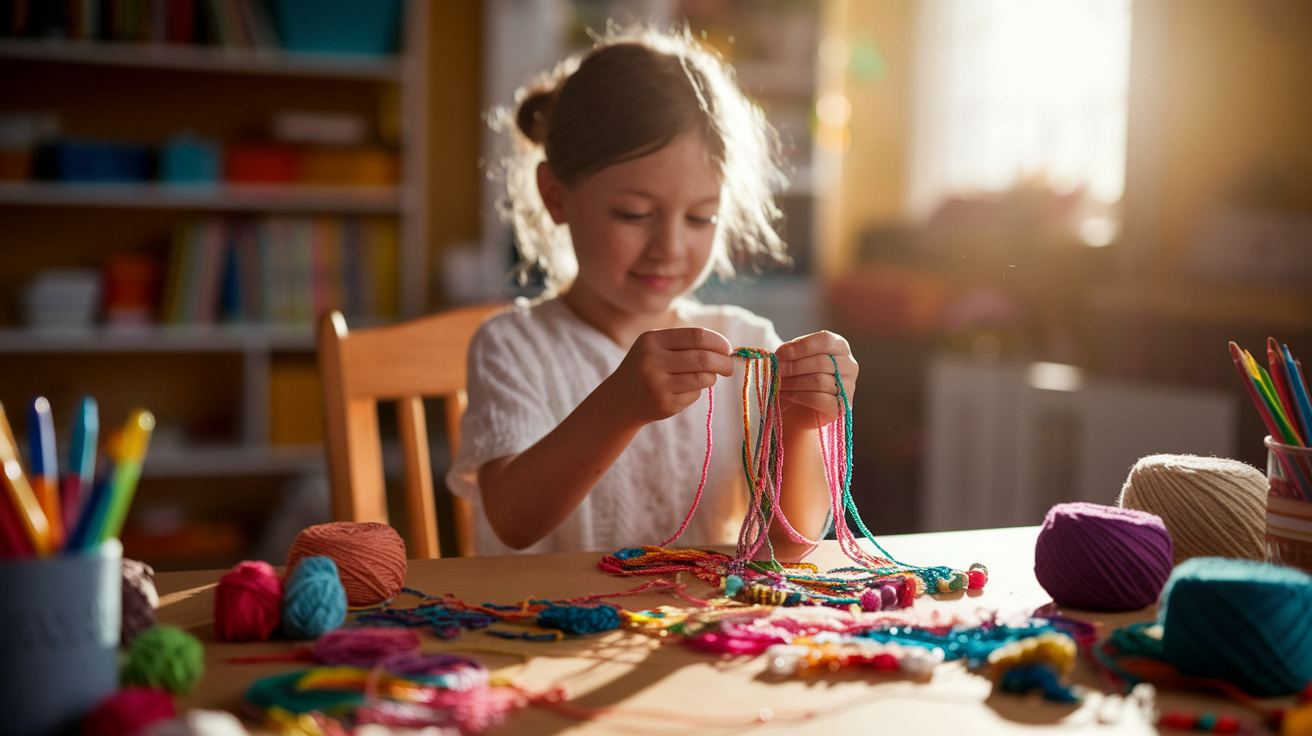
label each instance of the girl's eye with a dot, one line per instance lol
(711, 220)
(632, 216)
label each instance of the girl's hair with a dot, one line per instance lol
(630, 95)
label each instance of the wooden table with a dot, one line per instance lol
(631, 670)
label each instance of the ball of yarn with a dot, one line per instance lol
(1102, 558)
(872, 600)
(140, 599)
(128, 712)
(165, 657)
(199, 722)
(580, 619)
(314, 602)
(247, 603)
(370, 557)
(1213, 507)
(1240, 621)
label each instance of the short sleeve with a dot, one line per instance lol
(506, 412)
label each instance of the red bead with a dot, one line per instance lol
(1226, 724)
(1179, 721)
(977, 579)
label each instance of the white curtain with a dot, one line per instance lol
(1007, 90)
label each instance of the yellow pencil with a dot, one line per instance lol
(20, 493)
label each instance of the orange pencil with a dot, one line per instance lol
(19, 493)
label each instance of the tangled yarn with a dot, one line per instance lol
(140, 599)
(370, 558)
(1240, 621)
(315, 601)
(165, 657)
(580, 619)
(1213, 507)
(128, 712)
(1102, 558)
(365, 646)
(247, 603)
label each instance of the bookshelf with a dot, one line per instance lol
(227, 374)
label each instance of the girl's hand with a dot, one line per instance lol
(666, 370)
(806, 377)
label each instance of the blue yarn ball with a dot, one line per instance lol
(580, 619)
(314, 601)
(1241, 621)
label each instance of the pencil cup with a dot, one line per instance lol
(59, 636)
(1289, 505)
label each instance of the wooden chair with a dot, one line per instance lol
(404, 362)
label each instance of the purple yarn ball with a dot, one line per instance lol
(1102, 558)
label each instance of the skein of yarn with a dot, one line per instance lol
(167, 658)
(1239, 621)
(140, 599)
(128, 712)
(1102, 558)
(1213, 507)
(247, 602)
(370, 558)
(315, 602)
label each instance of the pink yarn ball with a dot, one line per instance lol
(128, 712)
(247, 603)
(872, 600)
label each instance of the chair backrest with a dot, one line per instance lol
(405, 363)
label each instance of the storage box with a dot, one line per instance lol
(338, 26)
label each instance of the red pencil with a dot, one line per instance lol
(13, 538)
(1280, 378)
(1273, 429)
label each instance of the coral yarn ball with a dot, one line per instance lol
(1213, 507)
(1102, 558)
(316, 602)
(1240, 621)
(370, 558)
(247, 603)
(128, 712)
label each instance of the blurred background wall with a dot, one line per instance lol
(1037, 222)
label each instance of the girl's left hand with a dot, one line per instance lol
(806, 377)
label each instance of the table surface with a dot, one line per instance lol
(630, 671)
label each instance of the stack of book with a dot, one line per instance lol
(281, 270)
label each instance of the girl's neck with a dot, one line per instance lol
(622, 327)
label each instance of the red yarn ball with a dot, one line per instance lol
(247, 603)
(128, 712)
(370, 557)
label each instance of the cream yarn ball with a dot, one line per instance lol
(1213, 507)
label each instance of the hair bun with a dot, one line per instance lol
(533, 114)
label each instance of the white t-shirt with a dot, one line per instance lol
(533, 363)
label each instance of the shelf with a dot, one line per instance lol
(198, 462)
(203, 58)
(218, 339)
(252, 197)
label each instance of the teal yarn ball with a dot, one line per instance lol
(1241, 621)
(314, 601)
(166, 658)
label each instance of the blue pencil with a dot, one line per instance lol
(94, 511)
(1298, 390)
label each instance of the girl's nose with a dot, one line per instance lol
(666, 242)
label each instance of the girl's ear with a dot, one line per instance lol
(553, 193)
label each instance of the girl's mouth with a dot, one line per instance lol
(656, 283)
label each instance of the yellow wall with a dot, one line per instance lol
(1238, 96)
(874, 165)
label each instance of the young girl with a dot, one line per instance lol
(638, 171)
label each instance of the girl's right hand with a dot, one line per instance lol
(666, 370)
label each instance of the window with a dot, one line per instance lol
(1012, 90)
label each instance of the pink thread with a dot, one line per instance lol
(365, 646)
(706, 464)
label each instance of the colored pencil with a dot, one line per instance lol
(127, 471)
(1281, 383)
(1241, 360)
(1263, 381)
(45, 466)
(19, 492)
(1298, 387)
(77, 482)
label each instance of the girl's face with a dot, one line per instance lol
(643, 230)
